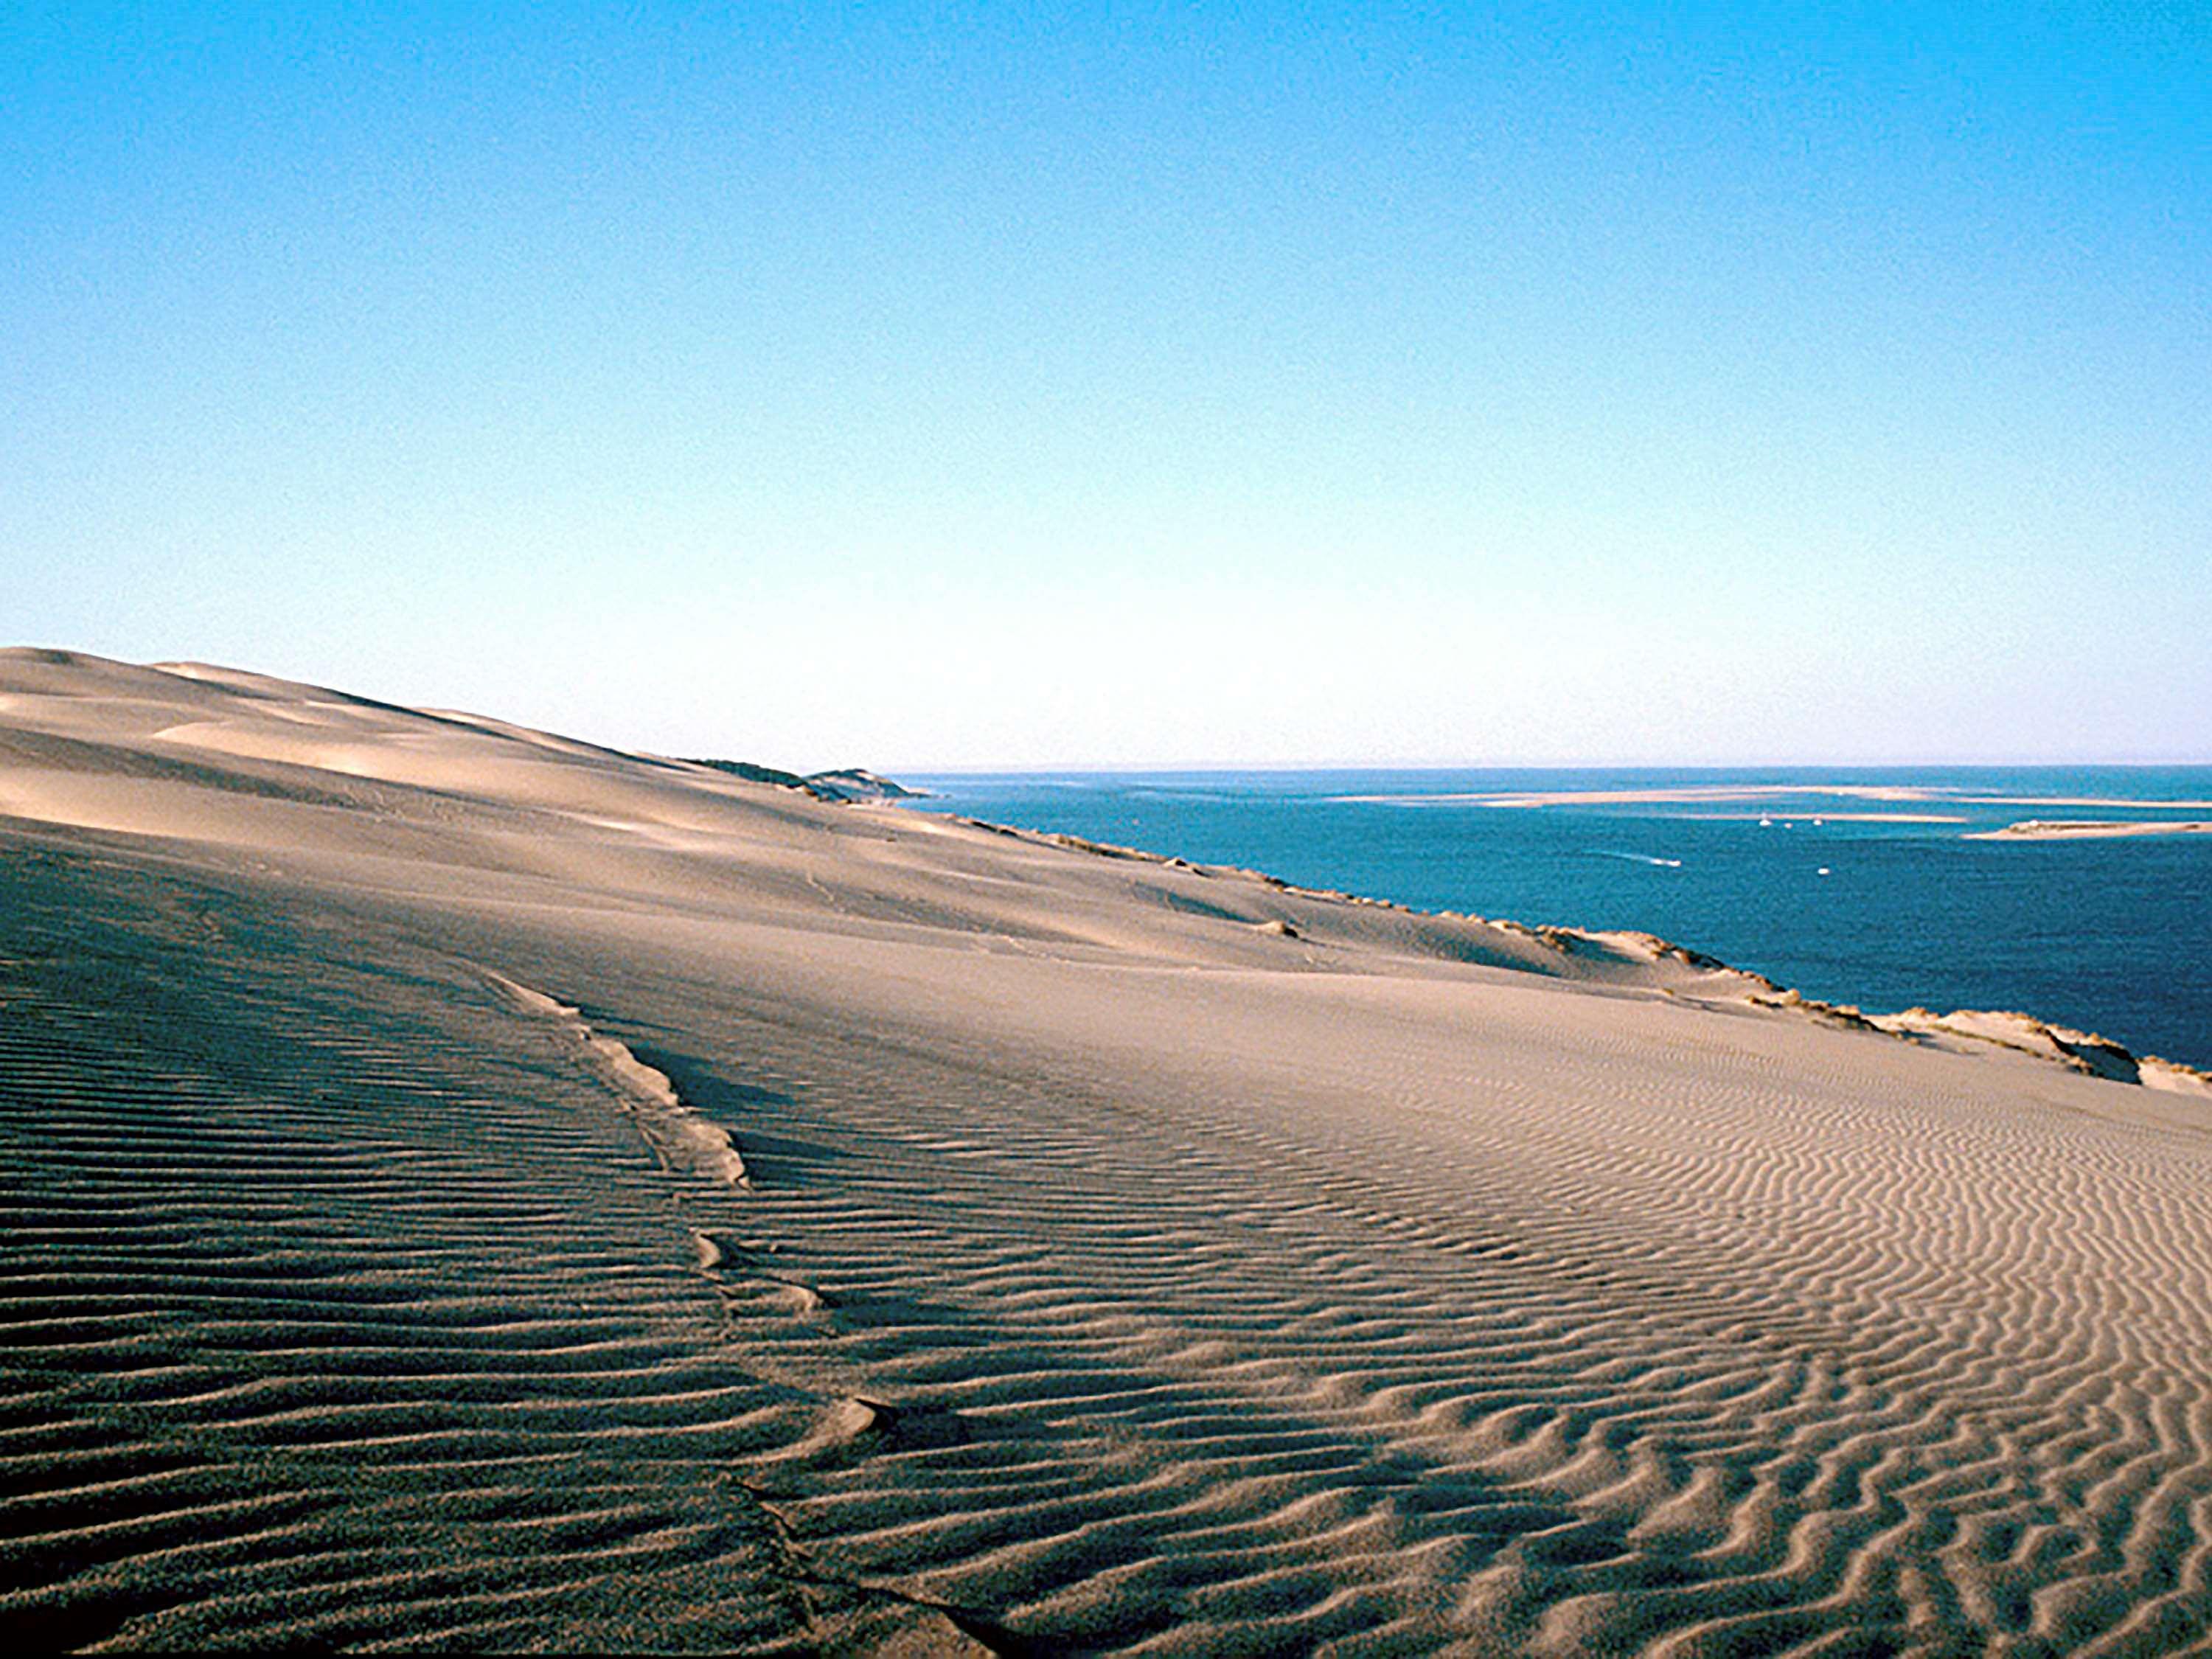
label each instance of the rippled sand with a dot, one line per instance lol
(470, 1188)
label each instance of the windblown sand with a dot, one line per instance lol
(469, 1188)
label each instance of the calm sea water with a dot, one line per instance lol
(1849, 896)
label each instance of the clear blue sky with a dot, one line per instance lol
(947, 386)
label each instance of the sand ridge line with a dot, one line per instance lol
(1714, 981)
(669, 1125)
(947, 1629)
(449, 791)
(725, 1261)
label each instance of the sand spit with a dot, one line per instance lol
(1694, 795)
(1828, 814)
(1118, 1271)
(2091, 828)
(1682, 794)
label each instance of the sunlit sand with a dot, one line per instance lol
(475, 1189)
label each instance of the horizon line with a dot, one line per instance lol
(1158, 767)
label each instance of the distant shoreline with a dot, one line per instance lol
(1200, 818)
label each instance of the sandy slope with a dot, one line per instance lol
(473, 1189)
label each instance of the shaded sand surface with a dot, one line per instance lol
(467, 1187)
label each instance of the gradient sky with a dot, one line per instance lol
(950, 385)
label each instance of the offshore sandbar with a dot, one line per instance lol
(2091, 828)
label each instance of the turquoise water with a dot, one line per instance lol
(2111, 935)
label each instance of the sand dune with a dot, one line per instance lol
(472, 1189)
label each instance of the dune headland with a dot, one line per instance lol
(471, 1187)
(850, 783)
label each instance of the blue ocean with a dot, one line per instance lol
(1862, 886)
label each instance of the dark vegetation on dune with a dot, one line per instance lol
(846, 783)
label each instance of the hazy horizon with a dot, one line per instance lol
(944, 392)
(895, 767)
(1865, 762)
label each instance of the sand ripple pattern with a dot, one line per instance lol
(1499, 1372)
(344, 1308)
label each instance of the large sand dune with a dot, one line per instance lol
(474, 1188)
